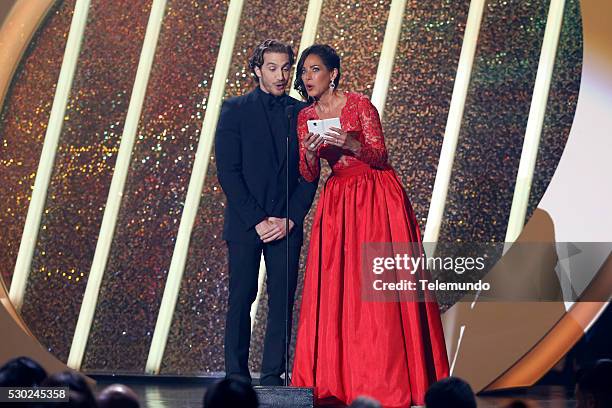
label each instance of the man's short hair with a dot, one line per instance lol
(450, 392)
(118, 396)
(79, 393)
(230, 393)
(257, 58)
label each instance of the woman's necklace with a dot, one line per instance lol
(334, 103)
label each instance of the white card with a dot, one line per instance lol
(321, 126)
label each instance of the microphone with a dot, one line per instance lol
(289, 115)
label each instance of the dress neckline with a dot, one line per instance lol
(346, 93)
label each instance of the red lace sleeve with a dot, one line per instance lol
(373, 150)
(308, 169)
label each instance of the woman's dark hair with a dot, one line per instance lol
(330, 59)
(257, 58)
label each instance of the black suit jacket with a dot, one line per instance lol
(251, 167)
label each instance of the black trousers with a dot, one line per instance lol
(243, 272)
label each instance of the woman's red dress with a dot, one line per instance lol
(348, 346)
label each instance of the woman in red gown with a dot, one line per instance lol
(348, 346)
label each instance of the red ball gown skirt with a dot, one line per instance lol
(347, 347)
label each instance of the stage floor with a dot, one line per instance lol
(188, 394)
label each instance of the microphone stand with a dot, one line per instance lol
(289, 112)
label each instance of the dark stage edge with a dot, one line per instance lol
(177, 391)
(188, 392)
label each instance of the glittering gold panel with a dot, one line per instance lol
(495, 118)
(562, 100)
(83, 169)
(420, 92)
(162, 159)
(23, 125)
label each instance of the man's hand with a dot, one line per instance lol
(266, 229)
(282, 222)
(277, 231)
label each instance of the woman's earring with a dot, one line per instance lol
(332, 85)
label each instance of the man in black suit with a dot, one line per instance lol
(252, 165)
